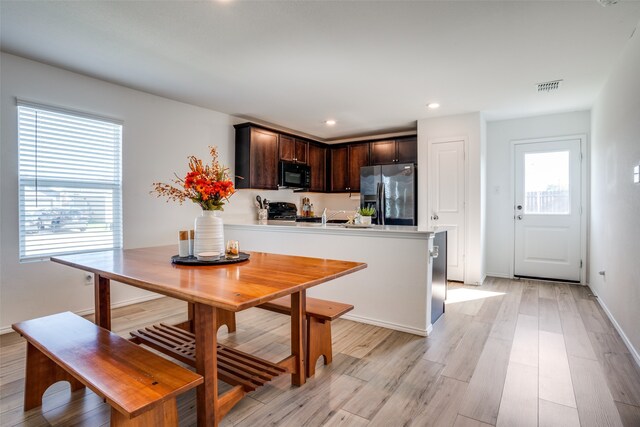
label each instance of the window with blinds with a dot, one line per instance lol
(70, 195)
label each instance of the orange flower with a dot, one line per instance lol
(207, 185)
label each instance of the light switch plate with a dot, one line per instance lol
(636, 174)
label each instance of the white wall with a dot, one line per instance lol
(470, 127)
(615, 199)
(158, 136)
(500, 134)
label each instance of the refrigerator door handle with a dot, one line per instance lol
(378, 206)
(378, 203)
(382, 204)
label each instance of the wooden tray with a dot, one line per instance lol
(191, 260)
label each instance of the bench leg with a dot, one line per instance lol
(163, 415)
(41, 372)
(318, 343)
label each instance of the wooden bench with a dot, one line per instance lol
(140, 386)
(319, 315)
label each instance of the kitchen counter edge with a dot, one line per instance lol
(300, 227)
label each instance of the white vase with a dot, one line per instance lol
(365, 220)
(209, 233)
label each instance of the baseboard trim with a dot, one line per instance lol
(632, 350)
(499, 275)
(131, 301)
(390, 325)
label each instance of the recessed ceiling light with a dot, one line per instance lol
(433, 105)
(330, 122)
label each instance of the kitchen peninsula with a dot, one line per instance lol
(394, 292)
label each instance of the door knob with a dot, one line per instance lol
(519, 217)
(435, 217)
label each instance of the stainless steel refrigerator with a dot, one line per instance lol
(391, 190)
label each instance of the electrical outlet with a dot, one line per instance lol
(88, 279)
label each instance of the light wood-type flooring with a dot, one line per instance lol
(509, 353)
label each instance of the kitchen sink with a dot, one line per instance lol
(318, 220)
(309, 219)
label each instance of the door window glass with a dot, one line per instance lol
(546, 183)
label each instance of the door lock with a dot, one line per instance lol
(519, 207)
(435, 217)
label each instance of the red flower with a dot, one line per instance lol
(207, 185)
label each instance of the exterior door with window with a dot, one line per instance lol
(547, 211)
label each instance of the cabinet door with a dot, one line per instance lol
(264, 159)
(383, 152)
(300, 151)
(339, 169)
(287, 148)
(358, 157)
(317, 162)
(407, 150)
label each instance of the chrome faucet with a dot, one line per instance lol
(332, 215)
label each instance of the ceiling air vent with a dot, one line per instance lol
(549, 86)
(606, 3)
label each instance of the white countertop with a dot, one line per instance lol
(340, 229)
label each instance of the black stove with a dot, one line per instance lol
(282, 211)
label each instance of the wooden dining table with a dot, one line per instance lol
(209, 290)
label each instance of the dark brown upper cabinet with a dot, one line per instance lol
(346, 162)
(334, 168)
(358, 157)
(383, 152)
(293, 149)
(407, 149)
(404, 150)
(256, 157)
(339, 161)
(318, 164)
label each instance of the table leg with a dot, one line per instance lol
(298, 308)
(102, 301)
(190, 315)
(206, 364)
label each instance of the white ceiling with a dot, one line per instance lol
(370, 65)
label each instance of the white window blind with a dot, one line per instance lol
(70, 195)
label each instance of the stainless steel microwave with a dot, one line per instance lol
(294, 175)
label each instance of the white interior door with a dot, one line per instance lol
(446, 200)
(548, 210)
